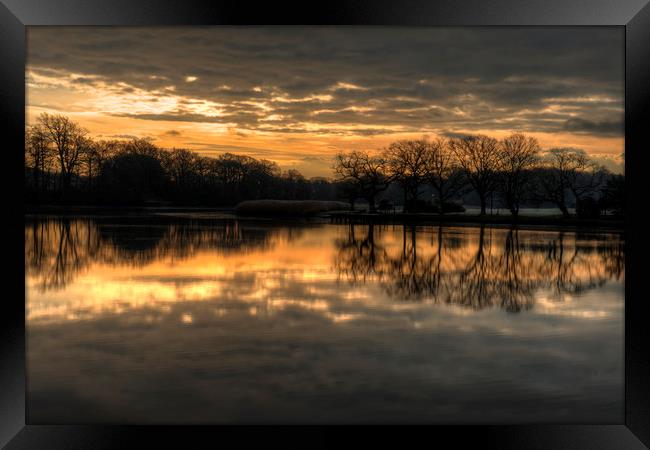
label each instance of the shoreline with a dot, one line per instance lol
(614, 224)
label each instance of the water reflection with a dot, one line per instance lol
(56, 250)
(197, 321)
(475, 267)
(490, 268)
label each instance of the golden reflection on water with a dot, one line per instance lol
(81, 269)
(195, 321)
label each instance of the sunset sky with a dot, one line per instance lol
(299, 95)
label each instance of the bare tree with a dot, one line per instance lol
(407, 164)
(69, 140)
(519, 155)
(349, 190)
(183, 167)
(142, 146)
(480, 158)
(443, 173)
(567, 170)
(38, 155)
(368, 173)
(89, 161)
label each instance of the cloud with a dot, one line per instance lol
(549, 79)
(453, 134)
(122, 136)
(603, 128)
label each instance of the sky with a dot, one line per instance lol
(299, 95)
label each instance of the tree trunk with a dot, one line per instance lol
(565, 211)
(371, 235)
(42, 176)
(441, 210)
(371, 204)
(514, 208)
(66, 181)
(483, 204)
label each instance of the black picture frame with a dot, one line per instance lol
(634, 15)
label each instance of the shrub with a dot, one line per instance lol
(288, 207)
(588, 208)
(385, 205)
(420, 205)
(449, 207)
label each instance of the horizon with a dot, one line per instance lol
(340, 89)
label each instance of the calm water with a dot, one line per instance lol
(172, 321)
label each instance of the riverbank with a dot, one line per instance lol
(200, 213)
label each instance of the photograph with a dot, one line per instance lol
(325, 224)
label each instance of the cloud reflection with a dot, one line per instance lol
(77, 269)
(321, 323)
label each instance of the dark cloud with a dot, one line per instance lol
(122, 136)
(604, 128)
(179, 117)
(419, 78)
(453, 134)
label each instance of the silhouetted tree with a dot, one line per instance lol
(367, 172)
(567, 171)
(519, 155)
(69, 141)
(443, 173)
(132, 177)
(182, 169)
(480, 158)
(613, 194)
(63, 164)
(38, 155)
(407, 164)
(322, 188)
(90, 160)
(349, 190)
(294, 185)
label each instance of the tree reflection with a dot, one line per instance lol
(613, 259)
(56, 250)
(360, 258)
(493, 267)
(411, 276)
(472, 267)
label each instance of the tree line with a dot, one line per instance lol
(64, 165)
(514, 169)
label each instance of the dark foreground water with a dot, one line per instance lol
(132, 321)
